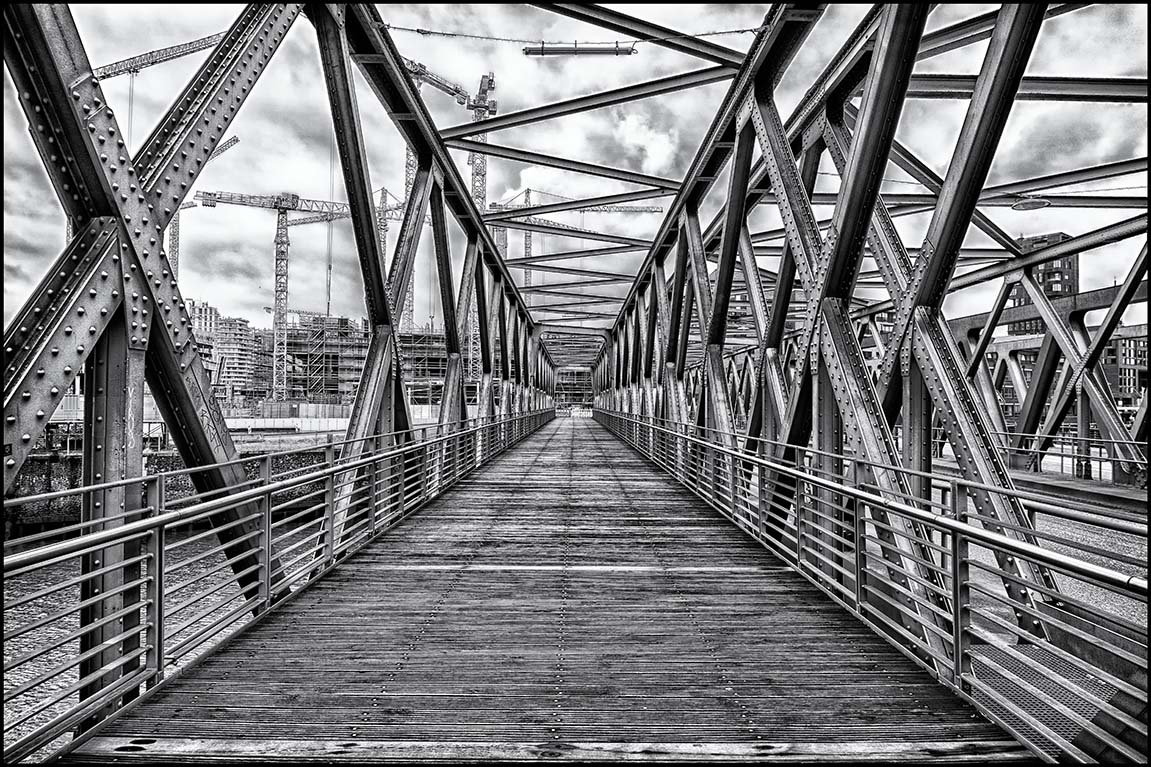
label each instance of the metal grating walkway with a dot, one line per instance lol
(566, 602)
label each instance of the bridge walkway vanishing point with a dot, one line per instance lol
(565, 601)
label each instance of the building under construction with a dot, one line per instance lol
(325, 357)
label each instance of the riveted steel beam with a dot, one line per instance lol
(385, 72)
(118, 260)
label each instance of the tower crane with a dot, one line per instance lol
(482, 106)
(281, 203)
(420, 74)
(132, 66)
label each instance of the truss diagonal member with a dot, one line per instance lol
(404, 259)
(844, 70)
(1017, 27)
(375, 407)
(785, 28)
(827, 272)
(645, 30)
(144, 195)
(714, 329)
(383, 68)
(337, 65)
(935, 351)
(452, 404)
(764, 420)
(1079, 364)
(1132, 286)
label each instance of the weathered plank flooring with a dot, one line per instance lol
(568, 601)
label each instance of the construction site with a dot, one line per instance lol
(771, 386)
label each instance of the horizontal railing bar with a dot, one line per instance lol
(1079, 663)
(123, 660)
(181, 648)
(76, 607)
(174, 545)
(24, 500)
(1020, 548)
(106, 644)
(39, 555)
(47, 732)
(183, 563)
(16, 542)
(169, 612)
(74, 581)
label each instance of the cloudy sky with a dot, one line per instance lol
(286, 140)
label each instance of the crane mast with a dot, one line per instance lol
(420, 74)
(281, 203)
(527, 250)
(482, 107)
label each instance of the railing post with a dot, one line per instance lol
(859, 528)
(266, 535)
(154, 657)
(424, 455)
(799, 465)
(373, 483)
(402, 483)
(329, 501)
(960, 593)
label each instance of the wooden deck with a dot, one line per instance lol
(568, 601)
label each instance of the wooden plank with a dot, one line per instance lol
(565, 601)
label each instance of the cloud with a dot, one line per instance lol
(286, 135)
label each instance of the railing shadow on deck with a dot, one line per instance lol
(93, 620)
(1042, 627)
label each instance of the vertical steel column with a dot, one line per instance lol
(113, 450)
(1083, 435)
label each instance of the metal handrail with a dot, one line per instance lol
(1032, 500)
(931, 598)
(1135, 585)
(56, 494)
(223, 587)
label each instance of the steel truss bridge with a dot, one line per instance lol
(748, 552)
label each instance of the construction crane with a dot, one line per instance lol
(281, 203)
(482, 106)
(174, 224)
(301, 312)
(420, 74)
(132, 66)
